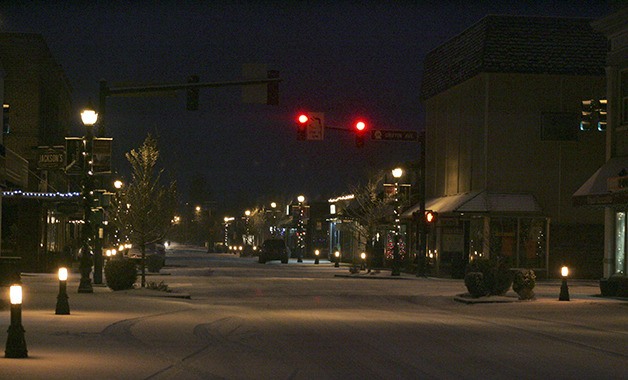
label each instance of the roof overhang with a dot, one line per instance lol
(481, 202)
(607, 186)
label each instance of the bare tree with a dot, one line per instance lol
(144, 211)
(370, 206)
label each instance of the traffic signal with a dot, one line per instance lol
(192, 94)
(431, 217)
(586, 115)
(310, 126)
(360, 131)
(601, 118)
(303, 121)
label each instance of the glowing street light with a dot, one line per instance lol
(396, 270)
(63, 307)
(337, 256)
(89, 117)
(564, 289)
(16, 344)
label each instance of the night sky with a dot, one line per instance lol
(347, 59)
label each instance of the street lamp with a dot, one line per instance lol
(16, 344)
(337, 256)
(363, 262)
(316, 253)
(396, 271)
(89, 118)
(564, 289)
(247, 214)
(63, 307)
(273, 230)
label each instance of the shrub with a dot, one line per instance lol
(523, 283)
(474, 281)
(120, 274)
(524, 279)
(496, 276)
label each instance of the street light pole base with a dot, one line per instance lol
(85, 286)
(564, 291)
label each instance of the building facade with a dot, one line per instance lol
(607, 188)
(37, 109)
(504, 152)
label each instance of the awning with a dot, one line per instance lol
(480, 202)
(607, 186)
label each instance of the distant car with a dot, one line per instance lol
(274, 249)
(155, 256)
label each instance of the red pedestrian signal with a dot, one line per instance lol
(360, 130)
(303, 118)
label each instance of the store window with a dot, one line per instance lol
(620, 242)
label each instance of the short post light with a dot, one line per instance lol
(564, 289)
(363, 261)
(16, 344)
(337, 258)
(316, 254)
(63, 307)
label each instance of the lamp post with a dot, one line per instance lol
(63, 307)
(396, 271)
(247, 215)
(16, 344)
(89, 118)
(273, 230)
(337, 256)
(316, 253)
(300, 230)
(363, 261)
(564, 289)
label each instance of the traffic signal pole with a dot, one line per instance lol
(192, 87)
(421, 240)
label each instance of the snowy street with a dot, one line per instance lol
(246, 320)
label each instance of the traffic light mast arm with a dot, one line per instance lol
(113, 91)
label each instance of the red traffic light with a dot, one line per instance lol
(360, 126)
(430, 217)
(303, 118)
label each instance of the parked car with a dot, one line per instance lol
(155, 256)
(274, 249)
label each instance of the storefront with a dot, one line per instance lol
(608, 188)
(482, 225)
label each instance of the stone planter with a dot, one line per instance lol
(526, 293)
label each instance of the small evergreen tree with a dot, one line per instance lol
(144, 211)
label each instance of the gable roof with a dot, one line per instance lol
(516, 44)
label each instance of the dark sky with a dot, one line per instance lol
(348, 59)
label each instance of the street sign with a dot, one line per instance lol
(316, 127)
(50, 157)
(391, 135)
